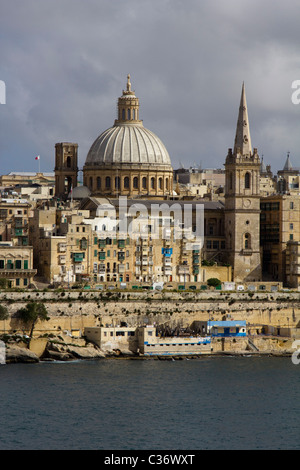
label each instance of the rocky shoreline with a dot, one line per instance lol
(59, 350)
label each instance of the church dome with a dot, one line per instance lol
(128, 143)
(128, 159)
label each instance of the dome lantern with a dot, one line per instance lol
(128, 106)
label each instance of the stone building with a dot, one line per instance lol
(293, 263)
(14, 220)
(242, 202)
(280, 224)
(16, 264)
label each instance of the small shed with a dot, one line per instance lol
(230, 328)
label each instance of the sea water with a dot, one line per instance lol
(205, 403)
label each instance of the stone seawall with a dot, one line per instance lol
(73, 310)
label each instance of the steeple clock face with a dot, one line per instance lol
(247, 203)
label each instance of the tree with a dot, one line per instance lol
(31, 314)
(3, 283)
(214, 282)
(3, 314)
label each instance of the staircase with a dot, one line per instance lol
(252, 345)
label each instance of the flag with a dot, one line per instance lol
(37, 158)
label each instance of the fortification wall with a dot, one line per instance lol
(72, 310)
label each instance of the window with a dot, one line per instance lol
(160, 183)
(144, 182)
(247, 241)
(167, 184)
(152, 183)
(25, 281)
(123, 114)
(215, 244)
(291, 205)
(291, 226)
(1, 263)
(135, 182)
(107, 182)
(91, 183)
(10, 264)
(18, 264)
(247, 180)
(98, 182)
(230, 181)
(83, 244)
(69, 162)
(126, 182)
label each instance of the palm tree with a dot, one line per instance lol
(31, 314)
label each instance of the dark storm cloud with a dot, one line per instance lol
(65, 63)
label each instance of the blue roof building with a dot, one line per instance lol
(222, 329)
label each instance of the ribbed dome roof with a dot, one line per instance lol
(128, 143)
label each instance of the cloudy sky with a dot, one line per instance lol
(65, 63)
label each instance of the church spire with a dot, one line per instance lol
(242, 142)
(288, 166)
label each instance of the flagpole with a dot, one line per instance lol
(38, 158)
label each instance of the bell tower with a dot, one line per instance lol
(66, 169)
(242, 202)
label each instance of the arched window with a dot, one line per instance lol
(167, 184)
(144, 182)
(152, 183)
(69, 162)
(230, 181)
(128, 114)
(136, 182)
(247, 180)
(160, 183)
(126, 182)
(247, 241)
(123, 114)
(107, 182)
(98, 182)
(91, 182)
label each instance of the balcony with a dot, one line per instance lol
(167, 269)
(14, 271)
(183, 269)
(77, 257)
(247, 252)
(78, 268)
